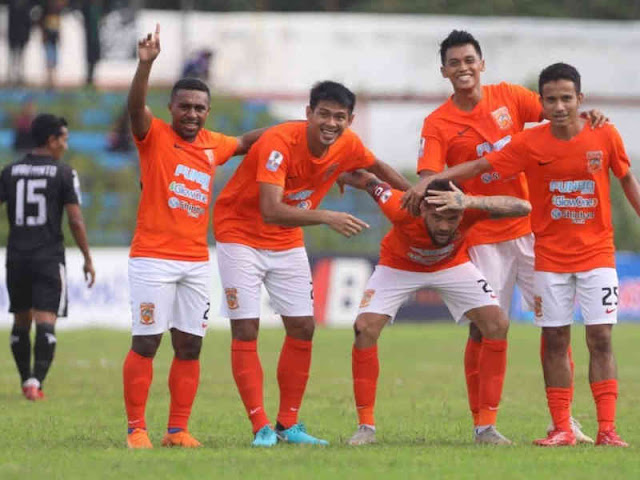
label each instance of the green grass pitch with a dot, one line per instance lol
(424, 430)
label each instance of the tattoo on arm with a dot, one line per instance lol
(500, 206)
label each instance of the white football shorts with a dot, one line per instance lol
(167, 294)
(556, 293)
(462, 288)
(285, 273)
(506, 264)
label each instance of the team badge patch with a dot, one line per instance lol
(537, 306)
(210, 156)
(147, 313)
(594, 161)
(502, 118)
(232, 298)
(366, 298)
(274, 161)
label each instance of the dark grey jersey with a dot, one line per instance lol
(36, 189)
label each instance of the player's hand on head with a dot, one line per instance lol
(149, 46)
(455, 200)
(596, 118)
(412, 199)
(89, 273)
(345, 224)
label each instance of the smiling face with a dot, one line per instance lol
(327, 121)
(560, 102)
(189, 111)
(442, 226)
(462, 66)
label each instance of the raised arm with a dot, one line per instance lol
(459, 173)
(387, 173)
(498, 206)
(631, 190)
(79, 232)
(139, 113)
(275, 211)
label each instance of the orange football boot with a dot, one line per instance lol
(139, 438)
(180, 439)
(610, 438)
(557, 438)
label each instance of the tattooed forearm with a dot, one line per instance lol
(500, 206)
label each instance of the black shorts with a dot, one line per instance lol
(40, 284)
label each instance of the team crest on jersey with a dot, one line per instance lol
(502, 118)
(232, 298)
(210, 156)
(330, 171)
(274, 161)
(594, 161)
(537, 306)
(304, 205)
(366, 298)
(147, 313)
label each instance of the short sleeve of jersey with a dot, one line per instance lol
(432, 150)
(153, 130)
(226, 148)
(529, 105)
(273, 160)
(70, 186)
(619, 160)
(512, 159)
(388, 200)
(362, 156)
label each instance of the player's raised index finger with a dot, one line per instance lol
(157, 32)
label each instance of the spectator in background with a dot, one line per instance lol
(19, 31)
(50, 23)
(92, 12)
(23, 140)
(198, 65)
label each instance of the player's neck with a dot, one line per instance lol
(567, 132)
(317, 148)
(42, 152)
(467, 100)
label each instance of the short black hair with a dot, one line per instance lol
(45, 125)
(333, 92)
(189, 83)
(458, 38)
(559, 71)
(440, 185)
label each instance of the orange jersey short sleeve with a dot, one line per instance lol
(569, 184)
(281, 156)
(451, 136)
(176, 180)
(408, 245)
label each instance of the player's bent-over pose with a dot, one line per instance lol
(37, 190)
(430, 251)
(169, 272)
(567, 166)
(478, 119)
(257, 220)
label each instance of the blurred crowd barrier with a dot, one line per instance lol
(338, 286)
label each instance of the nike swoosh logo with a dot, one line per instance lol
(545, 163)
(610, 310)
(175, 145)
(462, 132)
(254, 410)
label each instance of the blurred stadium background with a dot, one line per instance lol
(261, 57)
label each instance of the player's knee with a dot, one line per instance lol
(599, 340)
(556, 340)
(474, 333)
(245, 330)
(363, 327)
(146, 345)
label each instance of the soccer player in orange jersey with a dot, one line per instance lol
(169, 272)
(257, 219)
(567, 167)
(475, 120)
(430, 251)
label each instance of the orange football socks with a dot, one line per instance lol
(247, 372)
(492, 366)
(605, 394)
(365, 368)
(137, 373)
(471, 358)
(559, 401)
(184, 377)
(293, 373)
